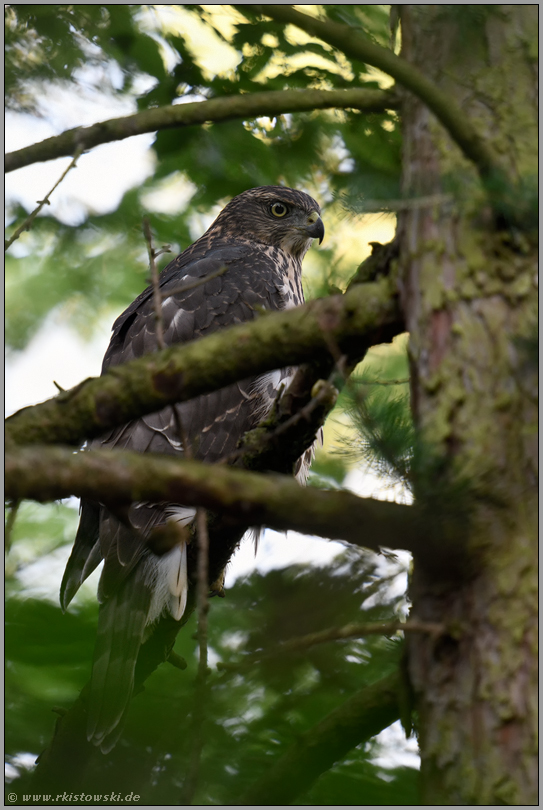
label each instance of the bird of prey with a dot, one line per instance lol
(249, 259)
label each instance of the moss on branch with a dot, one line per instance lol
(271, 103)
(356, 46)
(353, 322)
(122, 477)
(362, 716)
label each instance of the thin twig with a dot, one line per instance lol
(350, 386)
(203, 547)
(362, 381)
(413, 204)
(191, 285)
(159, 320)
(335, 634)
(191, 781)
(198, 715)
(10, 522)
(324, 393)
(321, 396)
(157, 298)
(203, 605)
(27, 224)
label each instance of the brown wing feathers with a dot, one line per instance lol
(136, 586)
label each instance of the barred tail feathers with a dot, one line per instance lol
(158, 585)
(121, 626)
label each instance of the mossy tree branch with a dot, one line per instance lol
(298, 644)
(271, 103)
(120, 477)
(365, 714)
(356, 46)
(353, 322)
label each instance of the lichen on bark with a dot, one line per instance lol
(468, 280)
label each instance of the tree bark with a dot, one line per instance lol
(406, 73)
(468, 290)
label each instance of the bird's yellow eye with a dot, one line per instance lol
(279, 209)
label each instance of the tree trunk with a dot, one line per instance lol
(468, 289)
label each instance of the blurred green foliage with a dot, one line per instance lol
(144, 55)
(100, 263)
(252, 716)
(376, 399)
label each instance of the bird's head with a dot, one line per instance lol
(273, 215)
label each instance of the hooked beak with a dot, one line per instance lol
(315, 227)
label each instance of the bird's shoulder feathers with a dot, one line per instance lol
(242, 279)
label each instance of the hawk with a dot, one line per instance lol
(249, 260)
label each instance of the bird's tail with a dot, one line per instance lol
(167, 577)
(121, 627)
(86, 554)
(156, 586)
